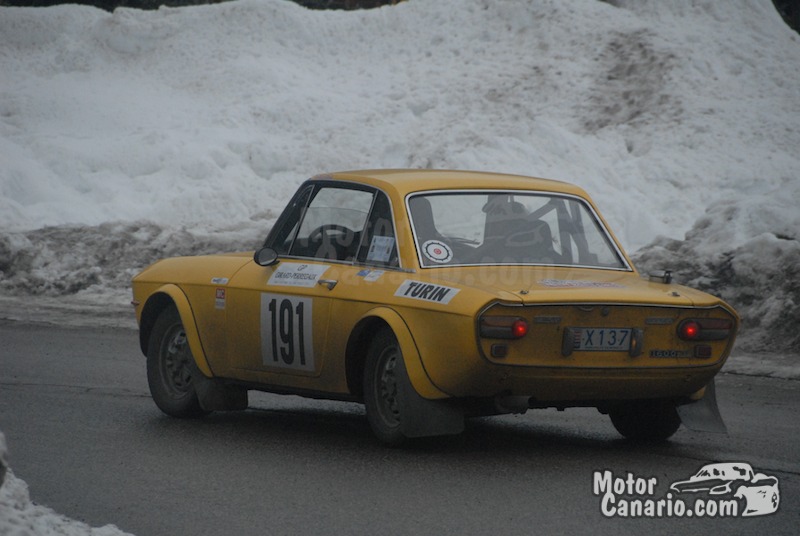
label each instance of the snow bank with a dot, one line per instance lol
(747, 251)
(21, 517)
(132, 135)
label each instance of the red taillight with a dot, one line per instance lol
(503, 327)
(689, 330)
(519, 328)
(705, 329)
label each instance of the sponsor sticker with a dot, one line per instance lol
(437, 251)
(219, 281)
(371, 275)
(219, 298)
(716, 490)
(290, 274)
(429, 292)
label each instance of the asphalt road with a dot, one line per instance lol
(84, 434)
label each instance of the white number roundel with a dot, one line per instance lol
(437, 251)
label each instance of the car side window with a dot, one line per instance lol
(332, 224)
(380, 244)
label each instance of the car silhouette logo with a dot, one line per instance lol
(758, 493)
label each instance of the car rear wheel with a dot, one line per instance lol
(646, 420)
(381, 388)
(169, 367)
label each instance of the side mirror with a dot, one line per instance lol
(661, 276)
(265, 257)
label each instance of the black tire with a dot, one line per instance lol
(381, 389)
(169, 367)
(646, 420)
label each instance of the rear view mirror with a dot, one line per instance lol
(265, 257)
(661, 276)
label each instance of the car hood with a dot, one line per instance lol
(202, 270)
(701, 485)
(538, 285)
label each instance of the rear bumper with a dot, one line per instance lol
(578, 386)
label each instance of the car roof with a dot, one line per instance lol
(405, 181)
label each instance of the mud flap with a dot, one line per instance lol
(214, 395)
(421, 417)
(703, 415)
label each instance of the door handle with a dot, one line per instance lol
(330, 283)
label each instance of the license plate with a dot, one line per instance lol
(602, 339)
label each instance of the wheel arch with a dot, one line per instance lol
(358, 343)
(166, 296)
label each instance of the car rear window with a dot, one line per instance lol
(501, 228)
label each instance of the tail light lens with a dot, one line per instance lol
(503, 327)
(705, 329)
(689, 330)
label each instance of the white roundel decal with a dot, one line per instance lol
(437, 251)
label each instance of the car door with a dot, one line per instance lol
(278, 316)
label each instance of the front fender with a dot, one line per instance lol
(416, 370)
(156, 302)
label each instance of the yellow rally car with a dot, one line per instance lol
(431, 296)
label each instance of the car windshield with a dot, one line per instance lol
(499, 228)
(723, 472)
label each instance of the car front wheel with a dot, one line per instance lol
(169, 367)
(646, 420)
